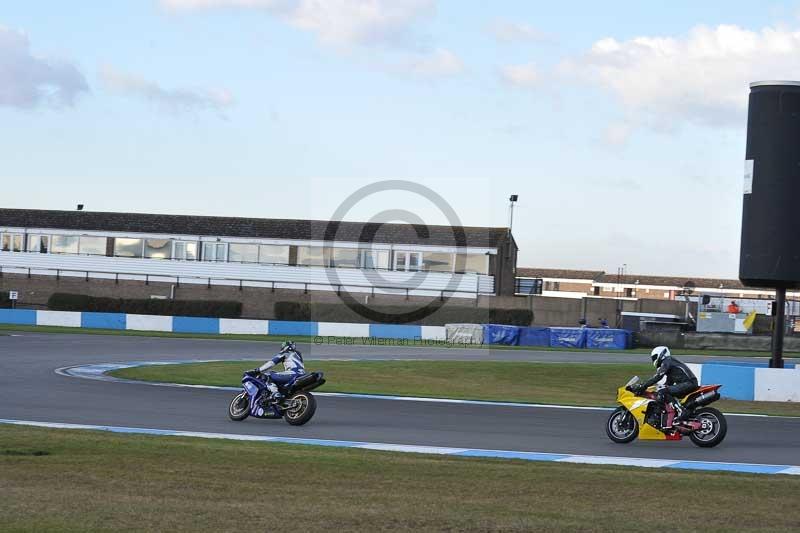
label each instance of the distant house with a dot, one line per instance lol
(592, 283)
(560, 282)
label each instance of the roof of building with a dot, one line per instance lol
(559, 273)
(672, 281)
(599, 276)
(264, 228)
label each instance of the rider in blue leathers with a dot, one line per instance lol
(293, 367)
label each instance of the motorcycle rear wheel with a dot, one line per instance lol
(301, 407)
(239, 408)
(714, 433)
(622, 427)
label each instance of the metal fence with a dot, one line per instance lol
(240, 283)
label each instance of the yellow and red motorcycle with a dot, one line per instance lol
(644, 417)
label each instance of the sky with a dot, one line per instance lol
(621, 126)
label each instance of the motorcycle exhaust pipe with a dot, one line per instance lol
(313, 386)
(703, 399)
(308, 382)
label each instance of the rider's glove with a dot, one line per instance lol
(253, 373)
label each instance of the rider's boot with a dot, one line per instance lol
(275, 395)
(679, 410)
(668, 416)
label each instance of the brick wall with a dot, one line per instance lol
(259, 302)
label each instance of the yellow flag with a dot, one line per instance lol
(748, 322)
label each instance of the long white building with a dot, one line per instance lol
(314, 255)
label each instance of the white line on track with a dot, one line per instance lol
(439, 450)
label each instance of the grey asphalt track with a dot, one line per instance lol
(30, 390)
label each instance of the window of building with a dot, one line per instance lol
(273, 254)
(92, 245)
(39, 243)
(243, 253)
(375, 259)
(125, 247)
(345, 258)
(158, 248)
(437, 261)
(628, 292)
(477, 263)
(597, 291)
(311, 256)
(11, 242)
(408, 261)
(184, 250)
(65, 244)
(215, 251)
(552, 285)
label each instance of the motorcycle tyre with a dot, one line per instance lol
(245, 414)
(723, 428)
(307, 414)
(614, 438)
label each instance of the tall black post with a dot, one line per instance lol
(778, 328)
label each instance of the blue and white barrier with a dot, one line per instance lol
(216, 326)
(751, 381)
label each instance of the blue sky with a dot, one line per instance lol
(621, 128)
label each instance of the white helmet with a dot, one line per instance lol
(658, 355)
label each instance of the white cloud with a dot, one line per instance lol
(508, 31)
(436, 64)
(700, 78)
(523, 76)
(617, 134)
(335, 22)
(171, 100)
(359, 21)
(27, 80)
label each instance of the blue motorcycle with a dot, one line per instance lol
(297, 406)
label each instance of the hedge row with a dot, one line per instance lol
(392, 314)
(60, 301)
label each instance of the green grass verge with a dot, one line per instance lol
(553, 383)
(304, 339)
(57, 480)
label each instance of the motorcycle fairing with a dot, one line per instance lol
(637, 406)
(700, 390)
(254, 388)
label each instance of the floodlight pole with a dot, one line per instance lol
(778, 329)
(511, 201)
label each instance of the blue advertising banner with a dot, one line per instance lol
(499, 334)
(568, 337)
(534, 336)
(609, 339)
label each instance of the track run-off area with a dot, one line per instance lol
(32, 391)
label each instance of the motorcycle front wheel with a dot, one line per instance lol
(299, 408)
(714, 429)
(622, 426)
(239, 409)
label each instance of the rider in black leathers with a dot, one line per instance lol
(680, 379)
